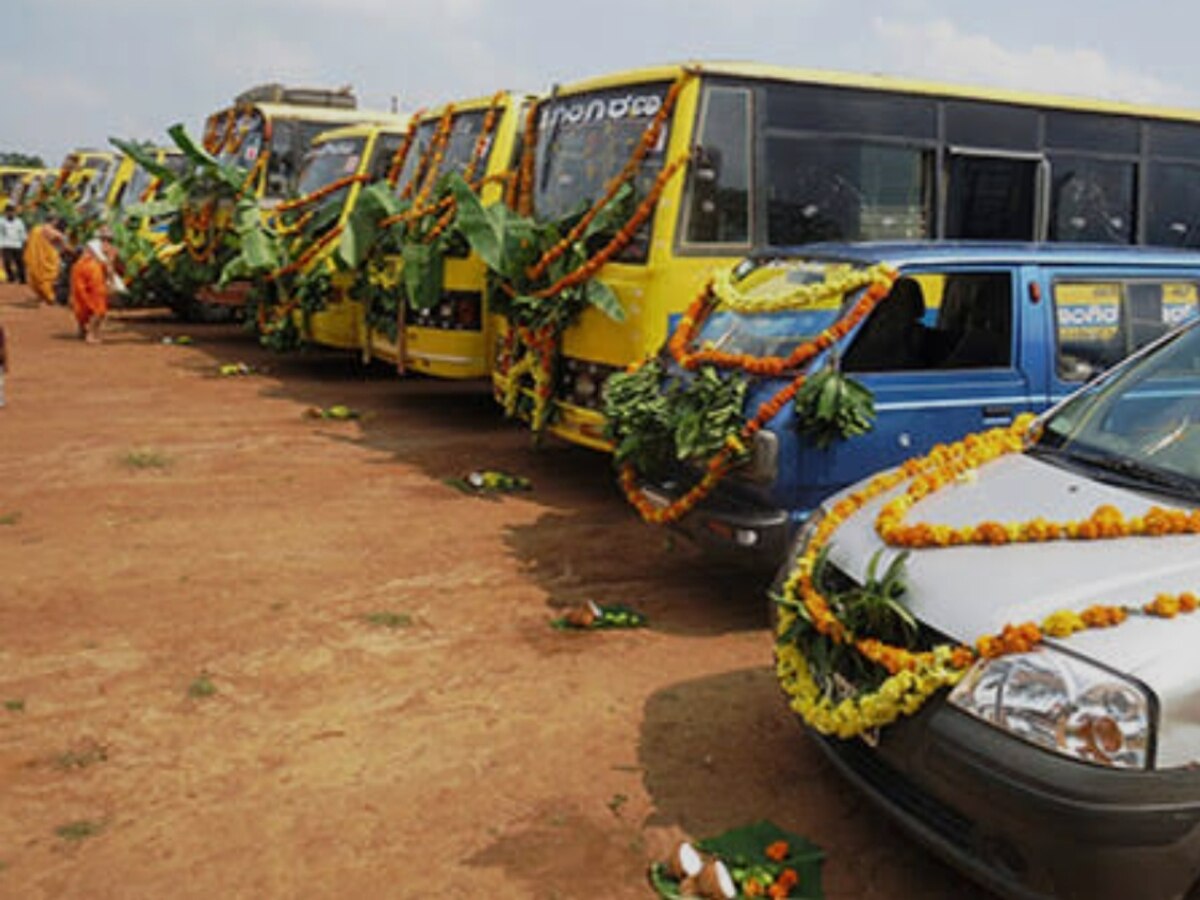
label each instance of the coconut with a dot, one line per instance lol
(583, 616)
(689, 888)
(715, 882)
(684, 862)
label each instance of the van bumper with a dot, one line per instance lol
(756, 538)
(1026, 822)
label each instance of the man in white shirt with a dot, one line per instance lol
(12, 246)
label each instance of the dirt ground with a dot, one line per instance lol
(246, 653)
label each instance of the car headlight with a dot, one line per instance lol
(1060, 702)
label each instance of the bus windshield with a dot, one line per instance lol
(584, 140)
(778, 332)
(464, 133)
(326, 163)
(244, 145)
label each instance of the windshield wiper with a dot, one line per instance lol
(1123, 470)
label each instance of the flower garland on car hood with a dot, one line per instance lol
(913, 677)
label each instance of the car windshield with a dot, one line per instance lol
(765, 334)
(1142, 424)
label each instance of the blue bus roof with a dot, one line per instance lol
(901, 253)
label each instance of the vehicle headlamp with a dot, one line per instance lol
(1063, 703)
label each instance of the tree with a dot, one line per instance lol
(22, 159)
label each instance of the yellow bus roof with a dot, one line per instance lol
(764, 72)
(330, 114)
(472, 104)
(363, 129)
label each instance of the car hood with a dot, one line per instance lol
(966, 592)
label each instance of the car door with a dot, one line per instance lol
(956, 369)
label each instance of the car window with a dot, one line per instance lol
(1100, 322)
(938, 321)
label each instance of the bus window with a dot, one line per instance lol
(1174, 199)
(992, 197)
(718, 210)
(845, 190)
(386, 146)
(1091, 200)
(464, 132)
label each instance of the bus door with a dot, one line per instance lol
(995, 195)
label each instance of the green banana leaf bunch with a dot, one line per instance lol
(831, 406)
(399, 262)
(204, 179)
(874, 608)
(511, 244)
(657, 421)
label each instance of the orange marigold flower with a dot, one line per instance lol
(777, 851)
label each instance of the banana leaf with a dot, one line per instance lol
(375, 203)
(144, 157)
(504, 240)
(258, 247)
(601, 296)
(231, 176)
(422, 275)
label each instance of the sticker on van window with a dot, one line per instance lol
(1088, 311)
(350, 166)
(1180, 301)
(251, 153)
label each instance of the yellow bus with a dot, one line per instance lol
(454, 337)
(335, 169)
(267, 131)
(11, 178)
(82, 167)
(780, 157)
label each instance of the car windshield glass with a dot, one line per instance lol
(775, 332)
(1142, 423)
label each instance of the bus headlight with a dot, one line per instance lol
(1062, 703)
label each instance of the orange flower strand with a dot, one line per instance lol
(321, 193)
(401, 154)
(485, 133)
(308, 255)
(620, 240)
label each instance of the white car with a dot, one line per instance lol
(1070, 768)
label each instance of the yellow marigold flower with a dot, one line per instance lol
(1063, 623)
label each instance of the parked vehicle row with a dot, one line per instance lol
(800, 308)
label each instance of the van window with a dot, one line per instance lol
(970, 329)
(1099, 323)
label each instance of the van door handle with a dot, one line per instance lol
(997, 415)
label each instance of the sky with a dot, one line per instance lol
(76, 72)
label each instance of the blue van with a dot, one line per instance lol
(971, 335)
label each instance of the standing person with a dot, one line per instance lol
(43, 257)
(12, 245)
(89, 285)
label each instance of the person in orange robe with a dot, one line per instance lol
(42, 259)
(89, 287)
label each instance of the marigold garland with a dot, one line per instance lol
(915, 676)
(321, 193)
(401, 154)
(878, 286)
